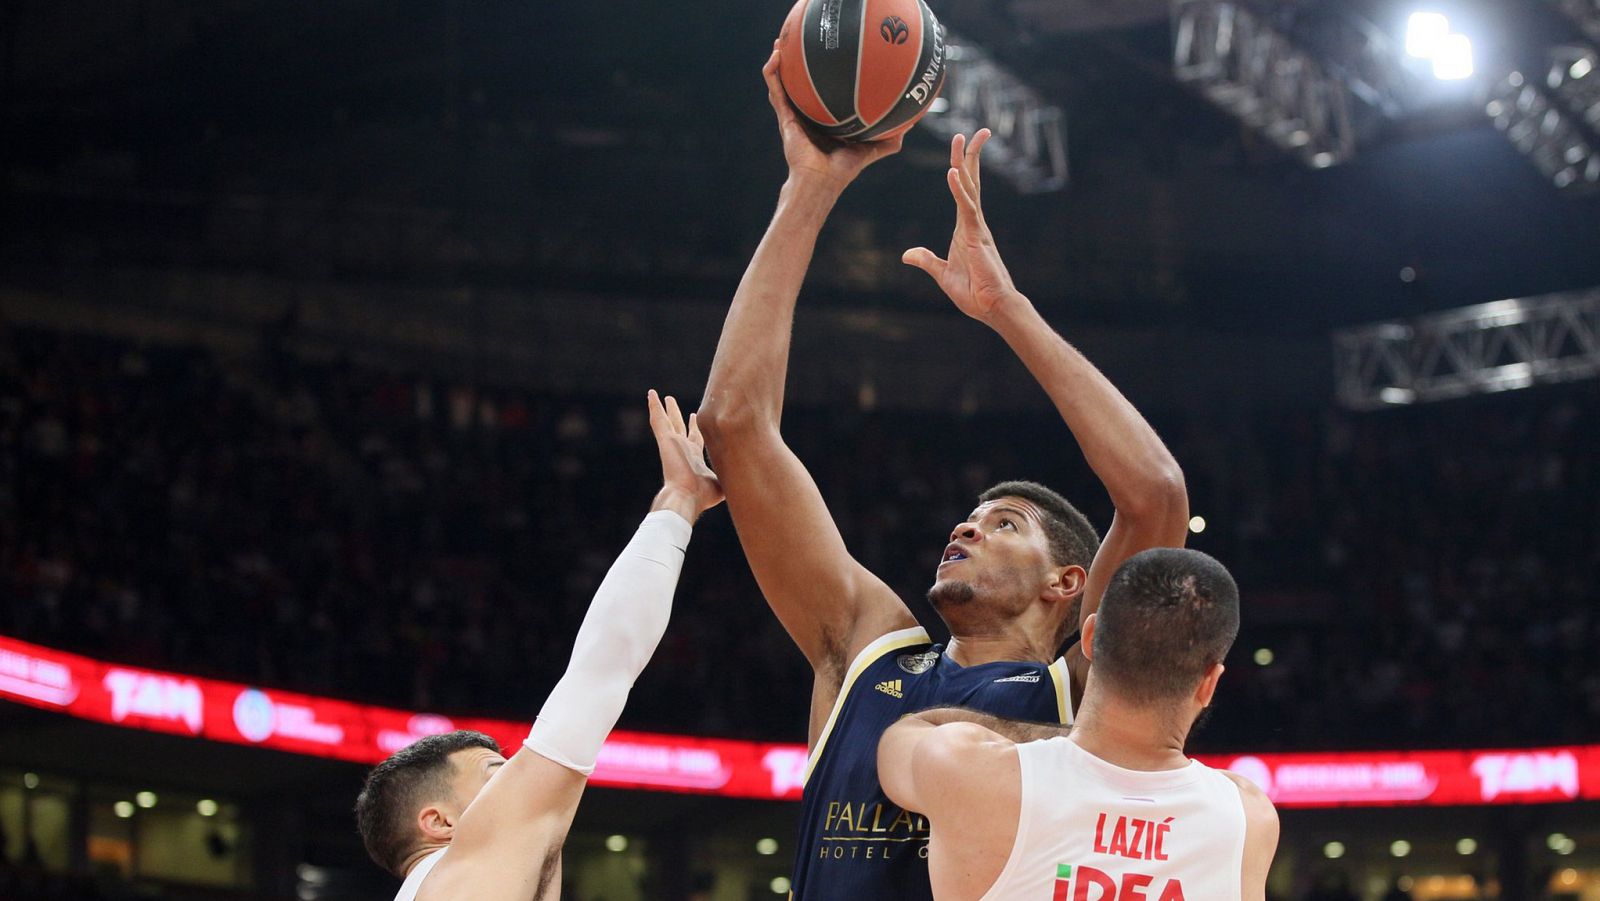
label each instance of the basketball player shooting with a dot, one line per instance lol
(454, 818)
(1015, 578)
(1115, 805)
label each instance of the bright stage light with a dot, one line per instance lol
(1425, 32)
(1452, 61)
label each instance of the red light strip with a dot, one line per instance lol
(323, 727)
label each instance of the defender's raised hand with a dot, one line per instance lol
(973, 275)
(688, 486)
(835, 163)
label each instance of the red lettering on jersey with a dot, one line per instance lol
(1087, 876)
(1133, 885)
(1119, 838)
(1133, 838)
(1160, 851)
(1172, 892)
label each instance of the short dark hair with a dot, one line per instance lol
(396, 789)
(1073, 541)
(1167, 617)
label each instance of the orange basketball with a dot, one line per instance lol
(862, 70)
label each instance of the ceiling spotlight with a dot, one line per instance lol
(1424, 33)
(1453, 60)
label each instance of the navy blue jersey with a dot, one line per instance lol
(855, 844)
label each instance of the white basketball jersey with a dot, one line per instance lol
(1093, 831)
(413, 883)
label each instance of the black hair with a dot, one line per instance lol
(396, 789)
(1167, 617)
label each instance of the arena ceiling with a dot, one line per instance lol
(503, 144)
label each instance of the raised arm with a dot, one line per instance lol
(1143, 479)
(830, 604)
(508, 842)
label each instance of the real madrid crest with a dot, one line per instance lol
(917, 664)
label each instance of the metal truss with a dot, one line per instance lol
(1029, 147)
(1240, 62)
(1499, 346)
(1574, 76)
(1546, 132)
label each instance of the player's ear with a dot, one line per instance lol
(1086, 639)
(1066, 583)
(437, 823)
(1208, 685)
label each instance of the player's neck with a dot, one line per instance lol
(1133, 737)
(416, 858)
(977, 649)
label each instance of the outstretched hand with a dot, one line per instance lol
(688, 486)
(973, 275)
(835, 162)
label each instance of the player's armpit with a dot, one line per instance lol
(507, 846)
(831, 605)
(1260, 837)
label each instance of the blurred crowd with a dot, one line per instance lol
(1411, 577)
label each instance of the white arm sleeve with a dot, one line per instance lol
(624, 624)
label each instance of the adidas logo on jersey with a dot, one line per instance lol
(894, 688)
(1025, 677)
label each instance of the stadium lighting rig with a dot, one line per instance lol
(1543, 121)
(1482, 349)
(1029, 146)
(1242, 63)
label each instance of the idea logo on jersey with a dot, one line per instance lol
(1083, 883)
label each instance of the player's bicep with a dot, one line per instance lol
(896, 753)
(830, 604)
(946, 770)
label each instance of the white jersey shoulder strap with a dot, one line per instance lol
(413, 883)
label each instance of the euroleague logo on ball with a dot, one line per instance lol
(895, 30)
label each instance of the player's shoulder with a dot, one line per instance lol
(1259, 812)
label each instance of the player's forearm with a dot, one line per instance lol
(1138, 471)
(1015, 730)
(745, 388)
(619, 634)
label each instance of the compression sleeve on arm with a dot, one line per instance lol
(620, 632)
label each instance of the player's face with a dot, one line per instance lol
(473, 769)
(1000, 555)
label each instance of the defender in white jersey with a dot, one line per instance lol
(454, 818)
(1109, 809)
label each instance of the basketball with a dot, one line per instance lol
(862, 70)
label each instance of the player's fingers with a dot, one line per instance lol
(966, 204)
(926, 260)
(889, 147)
(674, 415)
(957, 143)
(657, 415)
(975, 154)
(769, 74)
(694, 430)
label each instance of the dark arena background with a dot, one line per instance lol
(325, 331)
